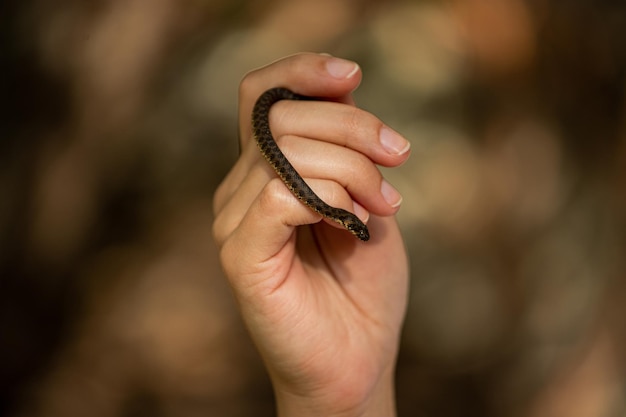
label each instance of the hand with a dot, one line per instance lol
(323, 308)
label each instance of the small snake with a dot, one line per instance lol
(286, 171)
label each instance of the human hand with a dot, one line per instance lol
(324, 308)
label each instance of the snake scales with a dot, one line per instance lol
(286, 171)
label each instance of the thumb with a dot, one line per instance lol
(259, 252)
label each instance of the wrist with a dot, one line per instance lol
(378, 401)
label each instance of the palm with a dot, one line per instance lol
(332, 306)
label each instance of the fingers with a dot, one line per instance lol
(353, 170)
(229, 214)
(330, 141)
(257, 186)
(264, 228)
(342, 125)
(307, 74)
(328, 122)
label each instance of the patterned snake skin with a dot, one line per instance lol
(284, 169)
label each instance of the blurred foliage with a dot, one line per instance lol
(119, 119)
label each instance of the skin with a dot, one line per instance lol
(284, 169)
(323, 308)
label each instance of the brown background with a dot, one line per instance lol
(119, 120)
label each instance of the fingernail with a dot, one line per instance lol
(390, 194)
(340, 68)
(360, 212)
(393, 142)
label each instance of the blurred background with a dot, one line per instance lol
(118, 120)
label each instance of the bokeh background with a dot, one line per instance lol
(119, 120)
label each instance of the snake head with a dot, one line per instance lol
(359, 230)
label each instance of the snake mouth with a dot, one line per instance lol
(359, 230)
(363, 235)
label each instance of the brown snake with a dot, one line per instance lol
(286, 171)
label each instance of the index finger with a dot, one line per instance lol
(307, 74)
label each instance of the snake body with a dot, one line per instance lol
(299, 188)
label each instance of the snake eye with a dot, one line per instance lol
(359, 231)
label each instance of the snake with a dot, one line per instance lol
(287, 173)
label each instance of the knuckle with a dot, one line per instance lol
(226, 220)
(285, 144)
(248, 83)
(219, 230)
(274, 194)
(279, 114)
(298, 60)
(228, 258)
(360, 123)
(363, 170)
(334, 193)
(219, 196)
(219, 201)
(362, 164)
(352, 121)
